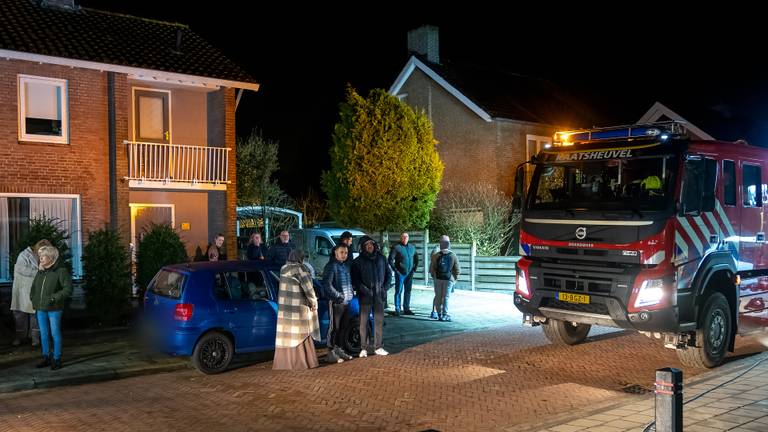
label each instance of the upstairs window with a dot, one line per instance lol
(43, 109)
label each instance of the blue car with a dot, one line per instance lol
(214, 310)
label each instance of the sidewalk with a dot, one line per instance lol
(733, 397)
(99, 355)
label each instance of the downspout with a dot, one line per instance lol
(112, 126)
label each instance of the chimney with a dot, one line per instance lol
(425, 42)
(63, 4)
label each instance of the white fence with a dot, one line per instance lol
(477, 273)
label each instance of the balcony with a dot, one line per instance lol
(172, 166)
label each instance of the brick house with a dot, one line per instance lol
(108, 119)
(486, 121)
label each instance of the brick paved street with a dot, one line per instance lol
(495, 377)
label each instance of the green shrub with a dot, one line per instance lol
(44, 228)
(475, 212)
(107, 276)
(160, 246)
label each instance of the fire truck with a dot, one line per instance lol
(643, 227)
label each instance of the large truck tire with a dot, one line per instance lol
(712, 336)
(564, 332)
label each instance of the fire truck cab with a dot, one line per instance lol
(641, 227)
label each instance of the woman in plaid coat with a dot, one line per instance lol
(297, 322)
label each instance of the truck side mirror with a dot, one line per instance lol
(519, 195)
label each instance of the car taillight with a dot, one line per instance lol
(183, 312)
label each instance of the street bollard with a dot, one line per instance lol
(669, 400)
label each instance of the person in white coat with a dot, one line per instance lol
(24, 272)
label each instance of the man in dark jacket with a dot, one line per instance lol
(278, 252)
(403, 260)
(337, 283)
(370, 278)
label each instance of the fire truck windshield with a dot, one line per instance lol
(632, 184)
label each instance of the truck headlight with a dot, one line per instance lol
(651, 293)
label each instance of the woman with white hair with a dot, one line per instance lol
(50, 290)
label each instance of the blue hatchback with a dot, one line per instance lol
(214, 310)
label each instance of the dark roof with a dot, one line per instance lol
(513, 96)
(104, 37)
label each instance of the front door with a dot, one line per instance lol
(152, 116)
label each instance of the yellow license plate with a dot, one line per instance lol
(573, 298)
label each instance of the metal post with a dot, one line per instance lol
(669, 400)
(472, 265)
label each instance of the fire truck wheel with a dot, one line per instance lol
(712, 336)
(564, 332)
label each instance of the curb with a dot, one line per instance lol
(96, 376)
(726, 369)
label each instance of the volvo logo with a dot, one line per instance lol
(581, 233)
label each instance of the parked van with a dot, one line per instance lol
(319, 240)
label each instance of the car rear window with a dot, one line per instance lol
(168, 284)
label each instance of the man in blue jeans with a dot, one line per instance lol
(403, 260)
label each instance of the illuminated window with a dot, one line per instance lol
(43, 109)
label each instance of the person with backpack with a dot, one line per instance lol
(444, 268)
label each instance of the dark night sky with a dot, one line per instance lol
(304, 61)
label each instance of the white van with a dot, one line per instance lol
(318, 241)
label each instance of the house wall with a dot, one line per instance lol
(188, 208)
(470, 147)
(80, 167)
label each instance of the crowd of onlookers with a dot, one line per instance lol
(42, 285)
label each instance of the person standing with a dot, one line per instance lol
(257, 251)
(403, 260)
(370, 278)
(24, 272)
(436, 250)
(278, 252)
(346, 240)
(297, 320)
(50, 291)
(337, 282)
(218, 243)
(444, 268)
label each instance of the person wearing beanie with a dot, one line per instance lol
(370, 279)
(445, 270)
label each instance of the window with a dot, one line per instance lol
(168, 284)
(753, 196)
(16, 213)
(43, 109)
(323, 246)
(729, 183)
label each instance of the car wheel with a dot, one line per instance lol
(350, 334)
(213, 353)
(712, 337)
(564, 332)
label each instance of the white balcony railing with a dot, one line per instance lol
(154, 165)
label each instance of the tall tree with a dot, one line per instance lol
(385, 171)
(256, 163)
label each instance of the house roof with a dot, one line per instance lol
(494, 93)
(105, 38)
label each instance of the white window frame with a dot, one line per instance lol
(77, 270)
(23, 135)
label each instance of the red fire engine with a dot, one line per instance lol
(642, 227)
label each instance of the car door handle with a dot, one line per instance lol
(233, 310)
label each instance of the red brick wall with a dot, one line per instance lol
(229, 140)
(80, 167)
